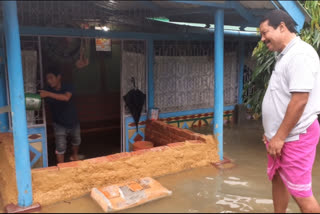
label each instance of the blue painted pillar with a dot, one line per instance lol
(4, 122)
(150, 59)
(241, 68)
(18, 109)
(218, 78)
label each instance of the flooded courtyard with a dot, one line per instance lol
(242, 188)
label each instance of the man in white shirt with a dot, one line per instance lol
(289, 113)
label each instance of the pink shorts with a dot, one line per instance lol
(295, 163)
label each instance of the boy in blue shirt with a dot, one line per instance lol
(64, 115)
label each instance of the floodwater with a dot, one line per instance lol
(244, 188)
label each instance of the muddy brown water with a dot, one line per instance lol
(242, 189)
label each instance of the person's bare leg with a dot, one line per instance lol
(280, 194)
(61, 142)
(308, 205)
(60, 158)
(75, 151)
(76, 140)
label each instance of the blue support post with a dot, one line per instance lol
(218, 78)
(18, 109)
(241, 67)
(4, 121)
(292, 8)
(150, 73)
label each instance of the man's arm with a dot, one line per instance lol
(294, 111)
(62, 97)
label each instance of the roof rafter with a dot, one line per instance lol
(224, 5)
(151, 5)
(243, 12)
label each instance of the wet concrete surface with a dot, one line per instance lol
(244, 188)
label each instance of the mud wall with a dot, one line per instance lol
(74, 179)
(8, 186)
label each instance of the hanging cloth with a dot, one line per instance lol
(83, 59)
(84, 51)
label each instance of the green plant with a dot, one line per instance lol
(265, 60)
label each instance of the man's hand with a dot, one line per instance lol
(264, 139)
(275, 146)
(61, 97)
(44, 93)
(293, 113)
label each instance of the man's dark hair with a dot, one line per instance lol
(275, 17)
(53, 70)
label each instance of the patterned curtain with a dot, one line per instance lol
(29, 65)
(187, 82)
(133, 65)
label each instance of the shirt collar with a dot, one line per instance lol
(287, 48)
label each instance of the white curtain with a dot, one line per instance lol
(133, 65)
(29, 65)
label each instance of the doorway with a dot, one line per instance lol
(94, 73)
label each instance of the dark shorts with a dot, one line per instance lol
(61, 133)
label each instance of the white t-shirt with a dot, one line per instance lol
(297, 70)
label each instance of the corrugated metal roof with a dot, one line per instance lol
(245, 13)
(134, 14)
(176, 5)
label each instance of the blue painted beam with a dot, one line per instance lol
(181, 113)
(18, 109)
(241, 68)
(4, 120)
(292, 8)
(51, 31)
(218, 79)
(195, 111)
(130, 120)
(239, 33)
(150, 59)
(42, 131)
